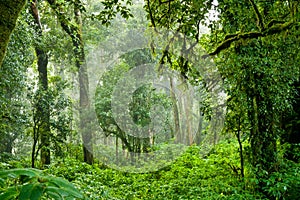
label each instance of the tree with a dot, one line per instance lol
(264, 79)
(249, 41)
(60, 118)
(143, 100)
(75, 32)
(43, 110)
(9, 14)
(72, 25)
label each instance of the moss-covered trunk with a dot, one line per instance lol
(9, 13)
(43, 111)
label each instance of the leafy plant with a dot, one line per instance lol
(24, 184)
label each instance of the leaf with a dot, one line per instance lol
(26, 191)
(2, 182)
(10, 193)
(65, 187)
(37, 192)
(54, 192)
(19, 172)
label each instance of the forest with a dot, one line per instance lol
(150, 99)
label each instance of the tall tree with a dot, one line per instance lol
(72, 25)
(75, 32)
(43, 110)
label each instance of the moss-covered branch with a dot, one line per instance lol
(274, 29)
(278, 28)
(227, 42)
(9, 13)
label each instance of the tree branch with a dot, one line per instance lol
(260, 22)
(277, 28)
(162, 2)
(35, 13)
(150, 14)
(65, 22)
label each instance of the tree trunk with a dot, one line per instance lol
(84, 91)
(238, 134)
(84, 110)
(187, 105)
(263, 142)
(35, 141)
(43, 110)
(198, 137)
(9, 13)
(117, 149)
(175, 111)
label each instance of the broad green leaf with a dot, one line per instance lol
(10, 193)
(52, 194)
(65, 186)
(57, 191)
(26, 191)
(37, 192)
(74, 193)
(20, 172)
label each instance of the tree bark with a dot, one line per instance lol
(198, 137)
(84, 90)
(43, 110)
(175, 111)
(188, 105)
(238, 134)
(9, 13)
(262, 137)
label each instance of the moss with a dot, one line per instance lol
(274, 29)
(9, 12)
(277, 28)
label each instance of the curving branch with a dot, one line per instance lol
(65, 22)
(274, 29)
(150, 14)
(278, 28)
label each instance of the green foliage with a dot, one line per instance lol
(60, 110)
(257, 54)
(85, 177)
(189, 177)
(144, 99)
(8, 22)
(25, 184)
(284, 184)
(179, 15)
(104, 96)
(110, 9)
(254, 44)
(13, 110)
